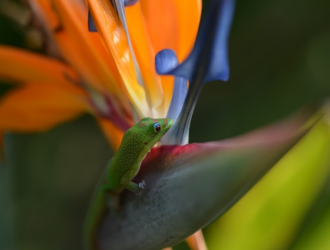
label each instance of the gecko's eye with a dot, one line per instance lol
(157, 127)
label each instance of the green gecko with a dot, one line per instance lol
(122, 168)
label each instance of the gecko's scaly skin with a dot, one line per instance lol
(122, 168)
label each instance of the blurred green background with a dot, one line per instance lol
(280, 62)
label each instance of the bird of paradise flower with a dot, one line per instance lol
(136, 65)
(94, 72)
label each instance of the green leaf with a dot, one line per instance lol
(270, 215)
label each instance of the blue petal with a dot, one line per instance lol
(167, 60)
(91, 24)
(209, 55)
(178, 97)
(208, 61)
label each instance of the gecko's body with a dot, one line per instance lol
(122, 168)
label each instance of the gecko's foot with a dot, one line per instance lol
(142, 185)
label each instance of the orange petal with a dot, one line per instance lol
(144, 53)
(111, 30)
(113, 134)
(20, 65)
(73, 15)
(172, 24)
(38, 107)
(44, 10)
(82, 49)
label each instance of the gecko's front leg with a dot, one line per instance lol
(128, 184)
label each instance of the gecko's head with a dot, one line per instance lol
(154, 129)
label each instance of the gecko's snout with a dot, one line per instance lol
(168, 122)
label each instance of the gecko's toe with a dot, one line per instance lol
(142, 185)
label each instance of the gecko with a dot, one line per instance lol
(121, 169)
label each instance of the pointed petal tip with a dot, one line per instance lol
(165, 61)
(218, 75)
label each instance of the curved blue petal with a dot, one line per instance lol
(208, 61)
(165, 61)
(178, 97)
(209, 54)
